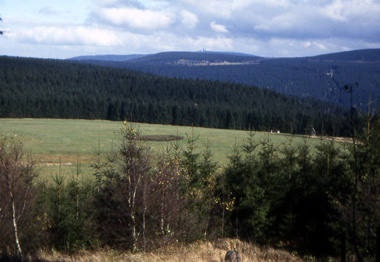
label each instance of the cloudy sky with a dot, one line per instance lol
(272, 28)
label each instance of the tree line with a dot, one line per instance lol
(60, 89)
(294, 196)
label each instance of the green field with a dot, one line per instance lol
(55, 142)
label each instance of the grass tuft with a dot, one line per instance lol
(198, 251)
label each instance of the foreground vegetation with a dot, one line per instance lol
(200, 251)
(301, 197)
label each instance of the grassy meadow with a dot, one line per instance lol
(56, 143)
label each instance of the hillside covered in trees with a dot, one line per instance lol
(62, 89)
(321, 77)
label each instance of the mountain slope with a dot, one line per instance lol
(60, 89)
(170, 58)
(115, 58)
(356, 56)
(322, 77)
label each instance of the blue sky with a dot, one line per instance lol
(272, 28)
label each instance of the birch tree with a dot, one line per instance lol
(121, 197)
(134, 165)
(17, 174)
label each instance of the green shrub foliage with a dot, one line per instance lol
(68, 213)
(18, 193)
(290, 195)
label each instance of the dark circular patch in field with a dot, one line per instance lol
(160, 138)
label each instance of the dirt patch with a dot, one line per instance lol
(55, 164)
(338, 139)
(159, 138)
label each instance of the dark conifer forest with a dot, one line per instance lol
(39, 88)
(321, 77)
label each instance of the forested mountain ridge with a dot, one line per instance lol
(115, 58)
(357, 56)
(169, 57)
(61, 89)
(322, 77)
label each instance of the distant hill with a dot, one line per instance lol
(115, 58)
(42, 88)
(170, 58)
(322, 77)
(357, 56)
(193, 59)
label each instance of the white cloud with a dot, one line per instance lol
(216, 8)
(312, 44)
(352, 19)
(348, 11)
(233, 9)
(154, 4)
(209, 43)
(189, 19)
(334, 11)
(113, 2)
(136, 18)
(273, 3)
(74, 35)
(270, 27)
(47, 10)
(218, 28)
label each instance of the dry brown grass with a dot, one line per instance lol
(199, 252)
